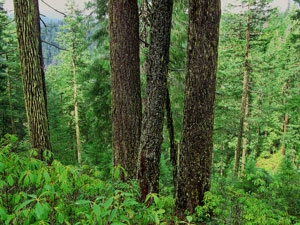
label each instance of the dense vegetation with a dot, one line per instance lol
(256, 118)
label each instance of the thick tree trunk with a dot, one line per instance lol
(29, 41)
(156, 92)
(125, 81)
(245, 93)
(194, 174)
(11, 108)
(244, 138)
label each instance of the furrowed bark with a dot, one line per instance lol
(156, 92)
(125, 81)
(195, 162)
(27, 19)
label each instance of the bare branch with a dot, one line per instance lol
(4, 25)
(178, 70)
(54, 8)
(4, 53)
(43, 22)
(146, 44)
(55, 46)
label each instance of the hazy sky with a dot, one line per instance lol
(60, 5)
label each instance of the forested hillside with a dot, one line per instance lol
(150, 112)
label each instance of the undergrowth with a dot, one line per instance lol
(33, 192)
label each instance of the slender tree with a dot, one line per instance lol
(244, 97)
(12, 119)
(125, 84)
(27, 19)
(173, 145)
(244, 138)
(156, 93)
(198, 113)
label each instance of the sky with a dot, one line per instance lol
(60, 5)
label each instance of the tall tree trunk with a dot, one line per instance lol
(294, 155)
(61, 105)
(245, 93)
(29, 42)
(78, 143)
(156, 92)
(194, 174)
(286, 119)
(125, 81)
(244, 138)
(173, 146)
(11, 108)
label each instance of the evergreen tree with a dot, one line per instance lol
(197, 144)
(125, 84)
(156, 94)
(30, 49)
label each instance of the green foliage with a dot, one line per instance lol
(32, 192)
(269, 162)
(256, 198)
(12, 109)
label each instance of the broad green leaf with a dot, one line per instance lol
(39, 210)
(112, 215)
(189, 219)
(108, 202)
(10, 180)
(82, 202)
(3, 213)
(97, 210)
(24, 204)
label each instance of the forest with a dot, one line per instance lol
(150, 112)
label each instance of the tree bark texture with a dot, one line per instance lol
(156, 92)
(194, 174)
(144, 31)
(125, 81)
(245, 93)
(27, 19)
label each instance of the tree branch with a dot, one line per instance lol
(54, 8)
(54, 46)
(4, 25)
(43, 22)
(146, 44)
(178, 70)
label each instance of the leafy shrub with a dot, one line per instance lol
(32, 192)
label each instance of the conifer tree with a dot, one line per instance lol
(156, 94)
(195, 160)
(27, 19)
(125, 84)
